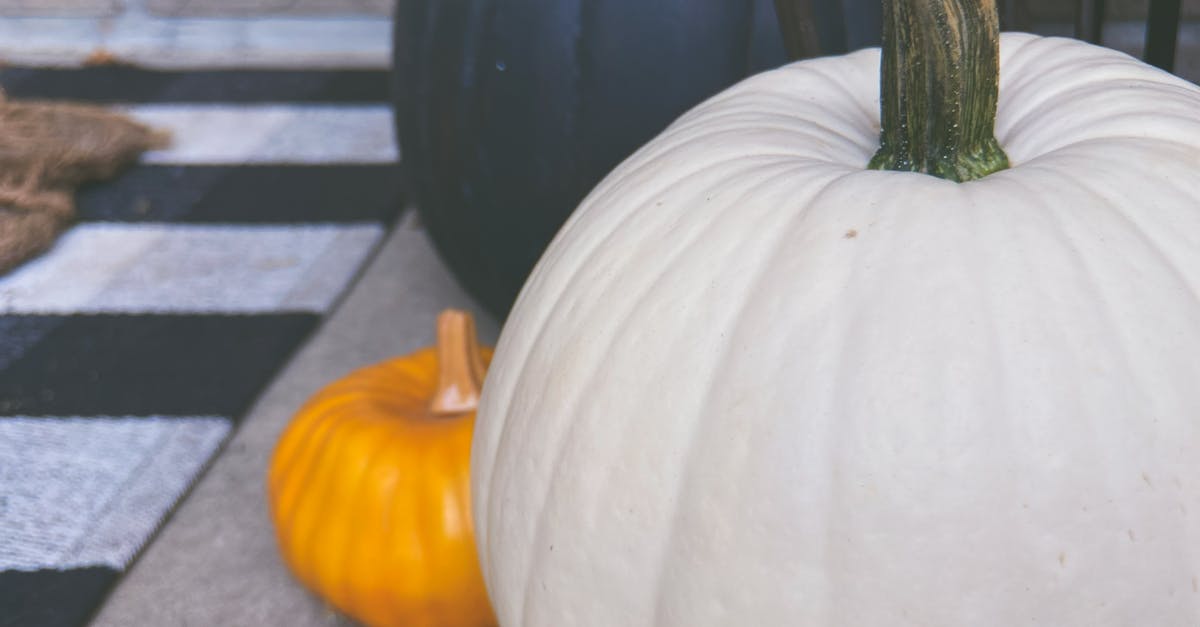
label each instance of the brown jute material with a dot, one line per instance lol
(47, 149)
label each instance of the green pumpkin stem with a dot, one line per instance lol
(938, 89)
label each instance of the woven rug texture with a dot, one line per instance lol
(132, 347)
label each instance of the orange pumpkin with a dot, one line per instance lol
(369, 487)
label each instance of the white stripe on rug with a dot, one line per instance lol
(126, 30)
(271, 133)
(90, 491)
(190, 268)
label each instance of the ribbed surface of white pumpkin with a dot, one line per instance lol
(753, 383)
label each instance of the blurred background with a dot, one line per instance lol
(508, 112)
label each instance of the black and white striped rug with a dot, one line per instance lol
(129, 352)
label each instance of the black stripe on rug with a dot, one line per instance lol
(52, 598)
(19, 333)
(247, 194)
(117, 83)
(120, 365)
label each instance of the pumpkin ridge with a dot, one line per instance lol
(402, 504)
(832, 509)
(1107, 311)
(295, 441)
(290, 489)
(680, 252)
(422, 573)
(287, 528)
(733, 124)
(1049, 212)
(1103, 448)
(387, 523)
(532, 285)
(1149, 243)
(345, 564)
(307, 541)
(825, 134)
(445, 461)
(453, 461)
(425, 458)
(983, 266)
(690, 456)
(835, 512)
(1030, 98)
(316, 437)
(1084, 126)
(867, 113)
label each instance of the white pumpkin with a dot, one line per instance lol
(753, 383)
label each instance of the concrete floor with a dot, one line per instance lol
(215, 563)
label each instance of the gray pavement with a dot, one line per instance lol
(215, 563)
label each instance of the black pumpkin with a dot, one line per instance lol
(508, 113)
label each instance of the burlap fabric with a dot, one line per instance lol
(47, 149)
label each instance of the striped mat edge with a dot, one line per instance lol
(129, 352)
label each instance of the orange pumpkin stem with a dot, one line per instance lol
(460, 367)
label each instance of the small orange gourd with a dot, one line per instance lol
(369, 487)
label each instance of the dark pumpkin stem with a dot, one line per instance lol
(796, 26)
(460, 367)
(939, 87)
